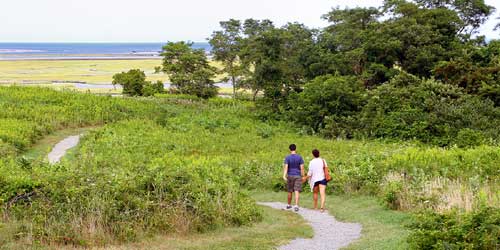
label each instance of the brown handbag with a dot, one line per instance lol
(327, 174)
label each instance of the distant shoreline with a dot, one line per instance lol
(84, 51)
(76, 57)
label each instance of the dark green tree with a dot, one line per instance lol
(226, 46)
(357, 45)
(134, 83)
(427, 110)
(472, 13)
(276, 59)
(249, 54)
(189, 69)
(327, 96)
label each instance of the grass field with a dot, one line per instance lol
(154, 165)
(91, 71)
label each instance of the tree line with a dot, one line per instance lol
(406, 70)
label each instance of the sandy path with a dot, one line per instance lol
(328, 232)
(62, 147)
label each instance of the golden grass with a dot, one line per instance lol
(442, 194)
(90, 71)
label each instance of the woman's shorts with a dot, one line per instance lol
(322, 182)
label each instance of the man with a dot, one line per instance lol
(292, 173)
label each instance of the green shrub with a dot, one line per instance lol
(469, 138)
(134, 83)
(390, 193)
(164, 164)
(429, 111)
(455, 230)
(326, 96)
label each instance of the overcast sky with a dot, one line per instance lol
(157, 20)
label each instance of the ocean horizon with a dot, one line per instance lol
(21, 49)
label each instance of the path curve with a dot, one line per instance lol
(328, 232)
(62, 147)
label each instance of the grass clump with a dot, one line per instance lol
(479, 229)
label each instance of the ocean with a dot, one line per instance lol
(29, 50)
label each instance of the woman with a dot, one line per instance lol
(317, 179)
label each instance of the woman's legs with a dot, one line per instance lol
(322, 191)
(315, 196)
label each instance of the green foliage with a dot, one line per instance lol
(454, 230)
(276, 60)
(226, 45)
(428, 39)
(134, 83)
(327, 96)
(472, 13)
(29, 113)
(469, 138)
(189, 70)
(432, 112)
(476, 70)
(390, 194)
(145, 184)
(178, 163)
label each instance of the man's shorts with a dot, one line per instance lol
(294, 183)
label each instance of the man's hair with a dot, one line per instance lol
(316, 153)
(292, 147)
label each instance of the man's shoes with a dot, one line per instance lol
(288, 207)
(296, 208)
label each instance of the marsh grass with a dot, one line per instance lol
(90, 71)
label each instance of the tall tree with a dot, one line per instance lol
(276, 59)
(250, 53)
(473, 13)
(226, 46)
(427, 36)
(189, 69)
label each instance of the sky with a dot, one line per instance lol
(159, 20)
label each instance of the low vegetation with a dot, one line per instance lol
(134, 83)
(89, 71)
(179, 164)
(404, 97)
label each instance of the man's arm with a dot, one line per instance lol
(302, 170)
(285, 171)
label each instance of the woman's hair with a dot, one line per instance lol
(315, 153)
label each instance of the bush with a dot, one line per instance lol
(469, 138)
(134, 83)
(390, 192)
(408, 108)
(326, 96)
(454, 230)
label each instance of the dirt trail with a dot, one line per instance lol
(62, 147)
(328, 232)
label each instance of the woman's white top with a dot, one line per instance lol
(316, 171)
